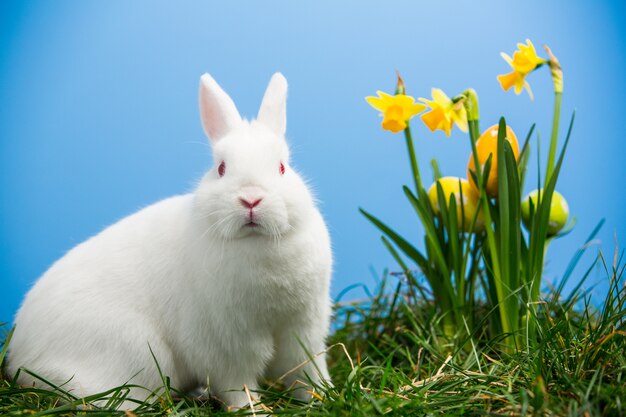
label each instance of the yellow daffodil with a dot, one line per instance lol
(444, 113)
(396, 110)
(524, 61)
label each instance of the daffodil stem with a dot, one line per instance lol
(556, 117)
(414, 168)
(474, 130)
(555, 135)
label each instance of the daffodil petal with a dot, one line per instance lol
(427, 102)
(403, 100)
(416, 109)
(530, 92)
(507, 58)
(377, 103)
(528, 49)
(439, 96)
(459, 117)
(386, 97)
(462, 125)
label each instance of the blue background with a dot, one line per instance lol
(98, 111)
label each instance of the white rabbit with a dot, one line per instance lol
(225, 285)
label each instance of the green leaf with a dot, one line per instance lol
(504, 225)
(515, 232)
(508, 228)
(408, 249)
(6, 346)
(407, 272)
(574, 261)
(524, 156)
(436, 172)
(540, 228)
(431, 232)
(455, 253)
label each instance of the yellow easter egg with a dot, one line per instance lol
(463, 194)
(559, 211)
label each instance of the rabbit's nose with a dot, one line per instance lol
(251, 203)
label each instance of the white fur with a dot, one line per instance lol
(219, 302)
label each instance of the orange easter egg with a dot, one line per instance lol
(487, 144)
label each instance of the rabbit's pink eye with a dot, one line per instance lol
(282, 169)
(221, 169)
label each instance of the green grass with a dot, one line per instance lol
(388, 357)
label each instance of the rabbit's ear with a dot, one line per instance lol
(273, 111)
(217, 110)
